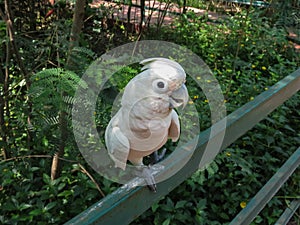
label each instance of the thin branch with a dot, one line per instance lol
(7, 18)
(25, 157)
(13, 48)
(92, 179)
(4, 105)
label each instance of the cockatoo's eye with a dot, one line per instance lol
(160, 85)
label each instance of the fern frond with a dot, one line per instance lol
(52, 92)
(69, 99)
(52, 120)
(80, 59)
(85, 51)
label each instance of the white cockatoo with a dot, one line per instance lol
(146, 118)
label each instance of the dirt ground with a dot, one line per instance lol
(155, 17)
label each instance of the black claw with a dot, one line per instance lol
(152, 188)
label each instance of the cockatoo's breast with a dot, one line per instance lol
(148, 130)
(152, 138)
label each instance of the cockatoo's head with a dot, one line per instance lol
(167, 77)
(161, 82)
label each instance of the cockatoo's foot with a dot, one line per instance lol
(145, 172)
(158, 157)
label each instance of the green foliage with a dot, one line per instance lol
(216, 194)
(80, 59)
(28, 195)
(247, 53)
(51, 93)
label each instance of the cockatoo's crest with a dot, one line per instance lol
(154, 63)
(166, 69)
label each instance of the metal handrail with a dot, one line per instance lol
(128, 202)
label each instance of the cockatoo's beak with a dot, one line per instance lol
(179, 97)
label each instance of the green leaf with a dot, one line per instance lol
(258, 220)
(169, 206)
(202, 204)
(46, 178)
(66, 193)
(180, 204)
(24, 206)
(50, 206)
(33, 169)
(167, 221)
(270, 140)
(45, 142)
(211, 169)
(36, 212)
(10, 207)
(61, 186)
(224, 216)
(289, 128)
(154, 207)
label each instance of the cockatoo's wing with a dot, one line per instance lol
(117, 143)
(174, 129)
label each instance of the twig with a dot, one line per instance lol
(12, 47)
(5, 109)
(25, 157)
(151, 13)
(163, 14)
(7, 18)
(92, 179)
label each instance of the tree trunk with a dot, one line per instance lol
(142, 22)
(78, 19)
(184, 7)
(56, 162)
(77, 25)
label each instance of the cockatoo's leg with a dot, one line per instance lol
(158, 157)
(145, 172)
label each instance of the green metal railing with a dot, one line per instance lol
(128, 202)
(265, 194)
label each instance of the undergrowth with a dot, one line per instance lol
(247, 53)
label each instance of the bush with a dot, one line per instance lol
(246, 53)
